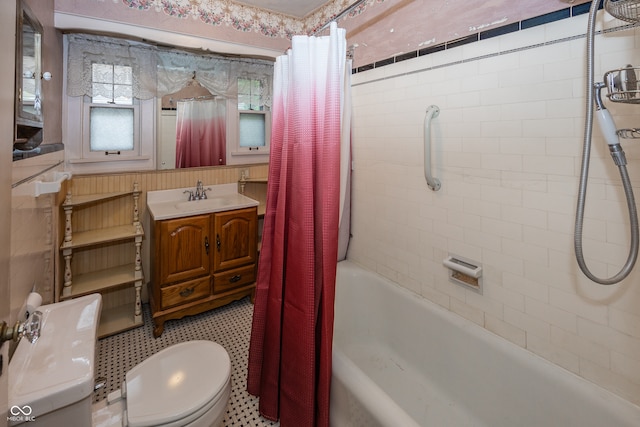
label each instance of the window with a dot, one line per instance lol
(111, 129)
(112, 84)
(109, 111)
(252, 128)
(254, 117)
(110, 114)
(249, 94)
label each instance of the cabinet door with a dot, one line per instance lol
(236, 234)
(183, 250)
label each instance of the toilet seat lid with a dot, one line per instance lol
(176, 382)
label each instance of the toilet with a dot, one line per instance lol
(51, 381)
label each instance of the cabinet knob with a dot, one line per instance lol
(206, 244)
(235, 278)
(218, 242)
(186, 292)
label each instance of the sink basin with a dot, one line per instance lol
(168, 204)
(206, 204)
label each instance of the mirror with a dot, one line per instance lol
(154, 79)
(28, 96)
(166, 141)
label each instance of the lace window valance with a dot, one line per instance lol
(83, 52)
(218, 74)
(158, 72)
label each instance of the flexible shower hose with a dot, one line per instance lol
(584, 175)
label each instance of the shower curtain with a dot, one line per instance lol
(291, 338)
(200, 133)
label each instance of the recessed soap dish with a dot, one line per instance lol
(464, 272)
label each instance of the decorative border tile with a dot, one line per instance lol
(482, 35)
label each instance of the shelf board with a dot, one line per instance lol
(118, 319)
(102, 235)
(87, 199)
(257, 180)
(101, 280)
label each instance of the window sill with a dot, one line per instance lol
(109, 159)
(250, 153)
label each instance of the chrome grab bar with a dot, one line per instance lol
(432, 183)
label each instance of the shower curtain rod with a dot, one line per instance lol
(338, 16)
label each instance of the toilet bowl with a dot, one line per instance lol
(51, 380)
(187, 384)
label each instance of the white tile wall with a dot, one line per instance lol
(507, 147)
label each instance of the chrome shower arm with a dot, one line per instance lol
(597, 92)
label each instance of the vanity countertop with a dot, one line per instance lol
(168, 204)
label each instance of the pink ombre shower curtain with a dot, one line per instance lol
(201, 133)
(291, 339)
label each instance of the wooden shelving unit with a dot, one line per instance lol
(115, 316)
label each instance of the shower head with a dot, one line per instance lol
(626, 10)
(603, 117)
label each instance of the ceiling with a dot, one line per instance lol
(297, 8)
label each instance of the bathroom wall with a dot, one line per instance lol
(395, 28)
(32, 221)
(7, 73)
(216, 26)
(33, 231)
(377, 29)
(507, 147)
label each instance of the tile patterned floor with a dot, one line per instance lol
(230, 326)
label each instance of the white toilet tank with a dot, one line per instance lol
(51, 380)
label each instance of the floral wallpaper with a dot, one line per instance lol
(246, 18)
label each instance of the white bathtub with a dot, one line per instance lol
(400, 360)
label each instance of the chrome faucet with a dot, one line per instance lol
(191, 196)
(201, 193)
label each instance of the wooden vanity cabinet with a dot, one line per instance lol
(202, 262)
